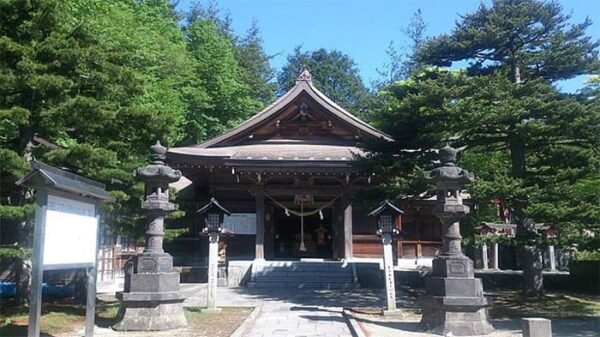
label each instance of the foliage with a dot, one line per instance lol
(529, 145)
(587, 255)
(531, 36)
(11, 252)
(255, 69)
(333, 72)
(233, 91)
(403, 64)
(415, 113)
(101, 91)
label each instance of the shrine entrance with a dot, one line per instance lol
(289, 243)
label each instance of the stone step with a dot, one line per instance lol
(326, 274)
(304, 268)
(299, 274)
(346, 278)
(302, 285)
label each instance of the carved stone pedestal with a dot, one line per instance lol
(454, 301)
(151, 300)
(150, 311)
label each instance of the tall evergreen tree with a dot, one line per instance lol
(401, 64)
(515, 50)
(100, 91)
(229, 100)
(333, 72)
(256, 72)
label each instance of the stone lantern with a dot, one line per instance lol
(214, 215)
(151, 300)
(387, 216)
(454, 299)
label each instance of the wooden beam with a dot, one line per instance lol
(287, 190)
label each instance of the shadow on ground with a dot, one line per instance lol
(346, 298)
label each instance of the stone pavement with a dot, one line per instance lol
(408, 327)
(295, 312)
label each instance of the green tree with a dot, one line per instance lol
(256, 72)
(401, 65)
(253, 68)
(229, 100)
(515, 50)
(415, 113)
(101, 91)
(333, 72)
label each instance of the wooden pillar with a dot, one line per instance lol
(347, 231)
(260, 225)
(269, 242)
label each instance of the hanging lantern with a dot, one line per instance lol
(386, 215)
(214, 214)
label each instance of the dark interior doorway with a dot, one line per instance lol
(318, 234)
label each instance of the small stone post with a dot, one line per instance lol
(214, 215)
(552, 257)
(152, 300)
(484, 255)
(388, 216)
(388, 268)
(536, 327)
(495, 256)
(454, 300)
(213, 265)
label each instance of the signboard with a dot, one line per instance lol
(70, 235)
(240, 223)
(65, 233)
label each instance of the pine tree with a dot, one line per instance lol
(515, 50)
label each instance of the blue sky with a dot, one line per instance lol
(362, 29)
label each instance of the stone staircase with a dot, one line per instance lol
(302, 274)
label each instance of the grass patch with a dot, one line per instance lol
(57, 318)
(66, 317)
(510, 304)
(220, 324)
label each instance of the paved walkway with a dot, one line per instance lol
(294, 312)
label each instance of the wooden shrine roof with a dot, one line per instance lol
(301, 126)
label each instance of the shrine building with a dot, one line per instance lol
(287, 175)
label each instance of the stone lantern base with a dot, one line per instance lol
(454, 300)
(150, 312)
(151, 300)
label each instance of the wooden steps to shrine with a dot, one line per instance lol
(301, 274)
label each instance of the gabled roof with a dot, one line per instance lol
(385, 205)
(45, 175)
(303, 85)
(213, 203)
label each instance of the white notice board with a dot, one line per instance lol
(70, 234)
(240, 223)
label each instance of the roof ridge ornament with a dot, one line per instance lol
(304, 76)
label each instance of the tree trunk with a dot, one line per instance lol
(531, 262)
(22, 279)
(528, 256)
